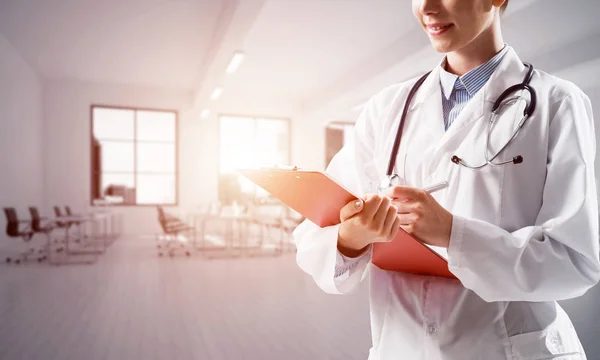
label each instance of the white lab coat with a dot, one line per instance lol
(523, 236)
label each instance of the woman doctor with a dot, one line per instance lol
(520, 236)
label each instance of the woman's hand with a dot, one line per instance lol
(365, 221)
(421, 215)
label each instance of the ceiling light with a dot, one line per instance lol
(204, 114)
(216, 94)
(338, 125)
(236, 60)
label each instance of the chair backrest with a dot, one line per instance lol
(68, 210)
(57, 211)
(12, 222)
(162, 218)
(36, 219)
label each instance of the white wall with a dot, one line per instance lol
(21, 170)
(67, 146)
(308, 142)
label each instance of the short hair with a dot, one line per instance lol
(503, 7)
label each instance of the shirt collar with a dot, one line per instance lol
(472, 81)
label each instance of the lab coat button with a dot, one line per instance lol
(553, 343)
(432, 328)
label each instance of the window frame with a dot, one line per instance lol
(135, 109)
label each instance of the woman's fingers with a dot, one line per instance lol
(389, 220)
(370, 208)
(381, 214)
(350, 209)
(394, 229)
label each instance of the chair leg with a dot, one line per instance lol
(158, 244)
(30, 252)
(49, 247)
(22, 256)
(61, 249)
(67, 239)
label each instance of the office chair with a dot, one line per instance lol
(58, 213)
(13, 229)
(83, 239)
(63, 224)
(46, 229)
(78, 223)
(172, 227)
(69, 212)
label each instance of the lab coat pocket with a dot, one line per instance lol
(475, 193)
(554, 344)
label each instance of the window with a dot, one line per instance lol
(249, 142)
(134, 156)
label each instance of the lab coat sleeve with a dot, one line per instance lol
(317, 252)
(557, 258)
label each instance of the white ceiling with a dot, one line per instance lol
(295, 47)
(141, 42)
(305, 57)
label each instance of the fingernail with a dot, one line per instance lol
(358, 203)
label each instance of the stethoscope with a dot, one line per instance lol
(504, 99)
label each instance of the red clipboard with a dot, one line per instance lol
(319, 198)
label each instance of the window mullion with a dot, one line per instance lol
(135, 182)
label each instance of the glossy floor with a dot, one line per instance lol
(131, 304)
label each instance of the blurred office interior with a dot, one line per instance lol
(122, 126)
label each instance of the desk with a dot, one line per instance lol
(232, 224)
(112, 224)
(236, 234)
(105, 226)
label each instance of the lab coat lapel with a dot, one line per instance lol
(509, 72)
(424, 129)
(426, 111)
(467, 117)
(419, 117)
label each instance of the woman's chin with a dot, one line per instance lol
(441, 46)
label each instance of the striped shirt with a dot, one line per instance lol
(458, 90)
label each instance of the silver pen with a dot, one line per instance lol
(436, 187)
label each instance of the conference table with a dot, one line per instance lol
(105, 228)
(234, 235)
